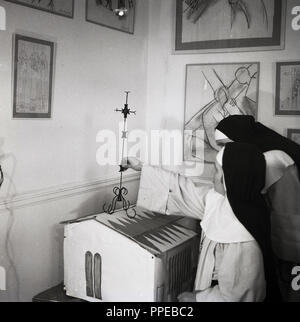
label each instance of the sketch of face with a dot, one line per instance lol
(243, 76)
(218, 179)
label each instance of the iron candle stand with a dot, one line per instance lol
(120, 191)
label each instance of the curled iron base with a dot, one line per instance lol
(120, 194)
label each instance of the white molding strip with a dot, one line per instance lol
(63, 191)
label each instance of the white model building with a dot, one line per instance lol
(113, 258)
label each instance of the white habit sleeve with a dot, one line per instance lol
(241, 276)
(171, 193)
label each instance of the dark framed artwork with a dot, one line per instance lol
(103, 13)
(33, 76)
(287, 100)
(59, 7)
(214, 92)
(227, 26)
(294, 135)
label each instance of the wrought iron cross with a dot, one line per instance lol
(121, 192)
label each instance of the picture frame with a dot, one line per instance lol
(294, 135)
(257, 25)
(33, 76)
(287, 98)
(104, 14)
(212, 93)
(63, 8)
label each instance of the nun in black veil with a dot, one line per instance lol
(243, 128)
(282, 188)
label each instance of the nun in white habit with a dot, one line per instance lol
(235, 255)
(282, 190)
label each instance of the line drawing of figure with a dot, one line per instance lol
(39, 67)
(50, 5)
(33, 79)
(23, 63)
(290, 86)
(197, 8)
(44, 81)
(64, 7)
(296, 89)
(105, 3)
(228, 100)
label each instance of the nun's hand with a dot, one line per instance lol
(187, 297)
(132, 163)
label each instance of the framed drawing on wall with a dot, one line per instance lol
(59, 7)
(294, 135)
(33, 74)
(214, 92)
(104, 13)
(227, 26)
(287, 88)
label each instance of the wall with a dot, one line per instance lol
(50, 165)
(166, 72)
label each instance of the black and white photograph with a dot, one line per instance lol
(149, 155)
